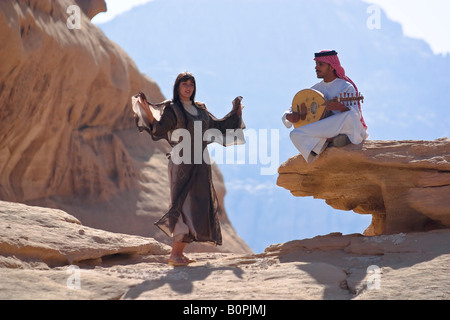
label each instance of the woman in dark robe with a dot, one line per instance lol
(193, 212)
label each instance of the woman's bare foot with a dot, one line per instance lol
(180, 261)
(177, 258)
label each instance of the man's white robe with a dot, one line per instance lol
(313, 137)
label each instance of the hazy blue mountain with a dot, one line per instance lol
(263, 50)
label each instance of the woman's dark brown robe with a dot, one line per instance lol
(193, 197)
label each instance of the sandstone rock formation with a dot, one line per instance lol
(67, 135)
(404, 185)
(47, 254)
(56, 238)
(64, 95)
(92, 7)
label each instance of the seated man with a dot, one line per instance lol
(343, 125)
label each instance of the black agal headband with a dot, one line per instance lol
(325, 54)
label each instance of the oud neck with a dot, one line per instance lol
(350, 98)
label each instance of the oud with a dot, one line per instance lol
(311, 105)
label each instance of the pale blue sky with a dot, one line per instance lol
(425, 20)
(115, 8)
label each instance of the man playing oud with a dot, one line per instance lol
(342, 124)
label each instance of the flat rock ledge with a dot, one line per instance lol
(56, 238)
(404, 185)
(47, 254)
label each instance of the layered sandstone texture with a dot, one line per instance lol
(48, 254)
(67, 135)
(404, 185)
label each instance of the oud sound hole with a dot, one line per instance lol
(314, 107)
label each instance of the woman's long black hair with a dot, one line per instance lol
(183, 77)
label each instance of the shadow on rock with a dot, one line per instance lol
(180, 280)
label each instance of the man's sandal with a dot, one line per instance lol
(340, 141)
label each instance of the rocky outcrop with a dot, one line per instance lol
(404, 185)
(47, 254)
(64, 95)
(92, 7)
(67, 135)
(56, 238)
